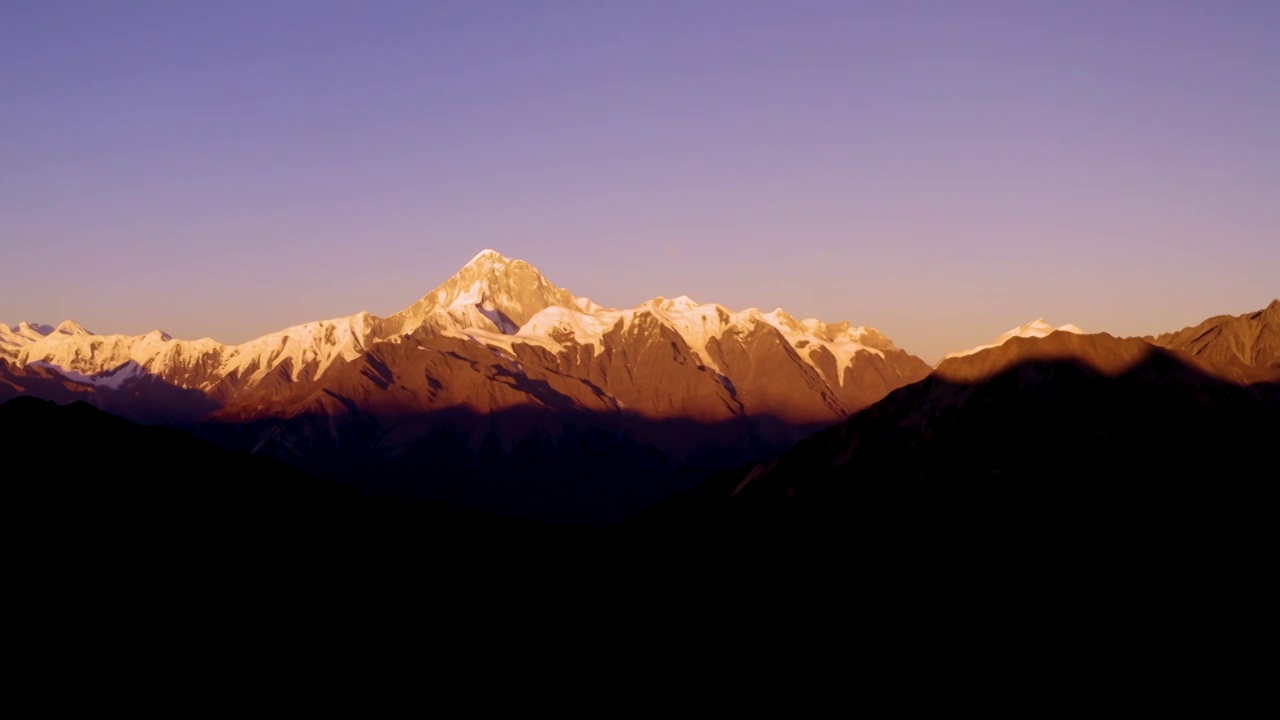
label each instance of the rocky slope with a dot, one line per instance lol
(1246, 347)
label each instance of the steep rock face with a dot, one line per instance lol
(771, 378)
(875, 376)
(646, 367)
(1248, 346)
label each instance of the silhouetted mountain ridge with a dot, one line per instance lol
(115, 497)
(1038, 432)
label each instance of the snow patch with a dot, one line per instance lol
(555, 323)
(112, 379)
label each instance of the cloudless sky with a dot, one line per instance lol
(942, 171)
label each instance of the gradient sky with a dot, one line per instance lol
(942, 171)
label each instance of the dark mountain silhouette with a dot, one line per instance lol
(107, 478)
(1052, 445)
(111, 496)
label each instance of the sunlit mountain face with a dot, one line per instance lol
(497, 390)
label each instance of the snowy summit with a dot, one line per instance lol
(1035, 329)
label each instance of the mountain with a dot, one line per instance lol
(490, 293)
(150, 508)
(21, 334)
(493, 302)
(1100, 486)
(40, 381)
(497, 388)
(105, 471)
(1035, 448)
(215, 370)
(1247, 347)
(580, 412)
(1035, 328)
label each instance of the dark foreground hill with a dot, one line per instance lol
(89, 490)
(1053, 504)
(1081, 446)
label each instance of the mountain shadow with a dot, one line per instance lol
(127, 391)
(94, 494)
(1088, 448)
(562, 449)
(546, 463)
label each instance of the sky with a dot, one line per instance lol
(942, 171)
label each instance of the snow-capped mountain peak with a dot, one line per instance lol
(1035, 329)
(24, 328)
(488, 255)
(491, 292)
(71, 327)
(682, 302)
(493, 301)
(14, 338)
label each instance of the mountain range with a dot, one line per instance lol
(502, 392)
(1045, 437)
(488, 385)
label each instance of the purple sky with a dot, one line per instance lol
(942, 171)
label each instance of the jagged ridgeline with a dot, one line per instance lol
(497, 390)
(1062, 437)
